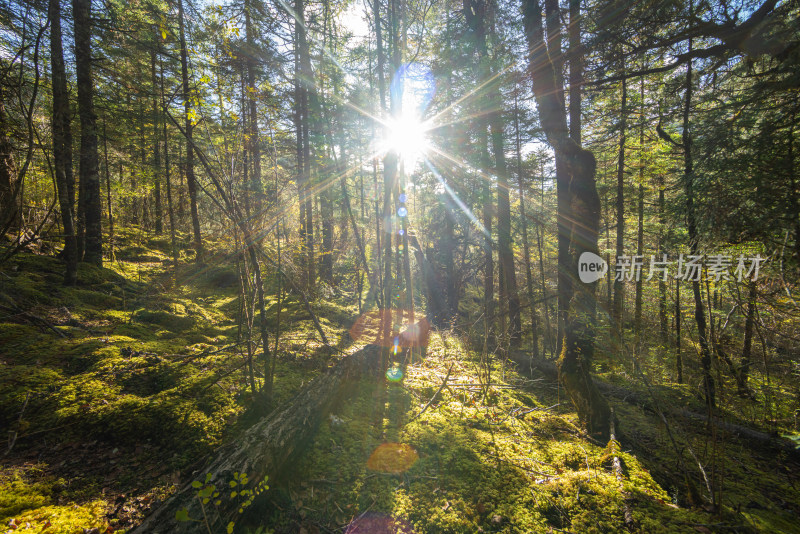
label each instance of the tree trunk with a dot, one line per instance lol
(170, 206)
(619, 282)
(564, 279)
(744, 367)
(62, 143)
(575, 70)
(326, 216)
(548, 328)
(488, 261)
(189, 127)
(262, 310)
(662, 284)
(8, 170)
(304, 81)
(89, 164)
(678, 355)
(378, 251)
(754, 438)
(409, 293)
(505, 252)
(261, 452)
(390, 165)
(325, 197)
(699, 313)
(476, 13)
(108, 195)
(526, 249)
(156, 140)
(637, 321)
(584, 215)
(253, 142)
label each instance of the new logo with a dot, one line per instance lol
(591, 267)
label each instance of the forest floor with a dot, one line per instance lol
(114, 392)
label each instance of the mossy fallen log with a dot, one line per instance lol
(748, 436)
(218, 494)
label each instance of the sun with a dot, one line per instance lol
(407, 137)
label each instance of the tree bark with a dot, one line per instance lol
(390, 167)
(744, 367)
(62, 144)
(109, 208)
(253, 140)
(678, 355)
(584, 216)
(526, 249)
(548, 328)
(189, 127)
(619, 284)
(662, 249)
(694, 245)
(167, 181)
(8, 169)
(575, 70)
(156, 140)
(325, 197)
(89, 161)
(304, 80)
(637, 317)
(564, 280)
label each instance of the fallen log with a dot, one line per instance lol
(749, 436)
(216, 496)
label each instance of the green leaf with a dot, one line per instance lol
(230, 527)
(182, 515)
(197, 484)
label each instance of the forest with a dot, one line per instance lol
(399, 266)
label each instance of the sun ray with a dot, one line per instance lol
(471, 216)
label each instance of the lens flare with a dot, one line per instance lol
(394, 374)
(392, 458)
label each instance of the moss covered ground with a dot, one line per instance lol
(113, 392)
(511, 458)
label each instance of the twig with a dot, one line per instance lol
(444, 383)
(12, 434)
(35, 319)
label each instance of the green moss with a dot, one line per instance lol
(26, 288)
(19, 493)
(79, 297)
(494, 463)
(175, 323)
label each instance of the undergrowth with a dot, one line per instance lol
(114, 389)
(507, 458)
